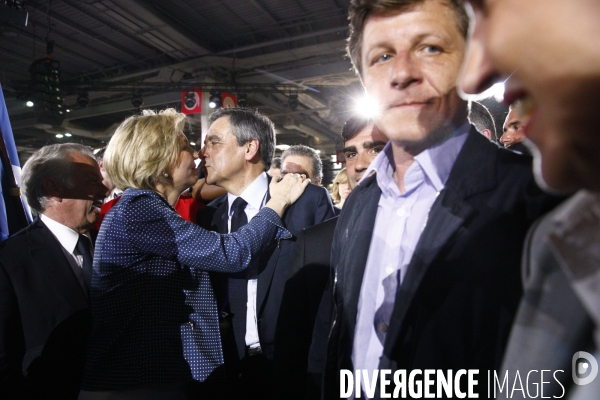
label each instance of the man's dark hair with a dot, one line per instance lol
(247, 125)
(360, 10)
(353, 126)
(480, 116)
(276, 163)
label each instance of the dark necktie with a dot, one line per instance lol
(85, 250)
(238, 284)
(239, 218)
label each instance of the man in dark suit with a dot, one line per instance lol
(298, 372)
(238, 150)
(45, 274)
(426, 252)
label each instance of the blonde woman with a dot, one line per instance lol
(340, 189)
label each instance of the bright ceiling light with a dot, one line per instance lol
(68, 134)
(366, 106)
(29, 103)
(282, 147)
(59, 135)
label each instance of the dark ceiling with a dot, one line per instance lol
(268, 49)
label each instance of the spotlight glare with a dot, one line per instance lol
(29, 103)
(59, 136)
(212, 104)
(68, 134)
(366, 106)
(192, 143)
(496, 91)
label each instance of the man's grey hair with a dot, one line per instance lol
(247, 125)
(305, 151)
(480, 116)
(53, 161)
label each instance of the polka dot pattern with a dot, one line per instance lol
(155, 313)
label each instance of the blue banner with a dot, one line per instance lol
(14, 214)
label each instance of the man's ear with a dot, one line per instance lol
(101, 165)
(487, 133)
(52, 188)
(252, 149)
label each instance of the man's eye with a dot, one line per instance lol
(384, 58)
(349, 155)
(376, 150)
(432, 49)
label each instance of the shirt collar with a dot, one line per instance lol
(66, 236)
(436, 162)
(254, 194)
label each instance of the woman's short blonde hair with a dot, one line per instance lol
(341, 177)
(144, 148)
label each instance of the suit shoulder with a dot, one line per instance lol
(315, 190)
(19, 240)
(216, 203)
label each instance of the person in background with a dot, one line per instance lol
(362, 144)
(340, 188)
(513, 135)
(482, 119)
(155, 321)
(302, 159)
(114, 192)
(558, 87)
(307, 303)
(45, 277)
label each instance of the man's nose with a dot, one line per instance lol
(405, 71)
(362, 162)
(506, 138)
(477, 73)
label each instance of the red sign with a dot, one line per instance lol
(191, 102)
(228, 100)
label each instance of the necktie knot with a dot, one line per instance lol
(239, 205)
(238, 218)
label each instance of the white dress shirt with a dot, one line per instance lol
(67, 238)
(255, 195)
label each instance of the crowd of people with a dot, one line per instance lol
(437, 249)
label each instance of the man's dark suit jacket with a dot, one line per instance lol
(312, 207)
(297, 377)
(45, 319)
(460, 293)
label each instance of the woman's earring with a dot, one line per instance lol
(166, 175)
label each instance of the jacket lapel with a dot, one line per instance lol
(474, 172)
(46, 252)
(356, 226)
(220, 217)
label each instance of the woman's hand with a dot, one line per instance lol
(286, 191)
